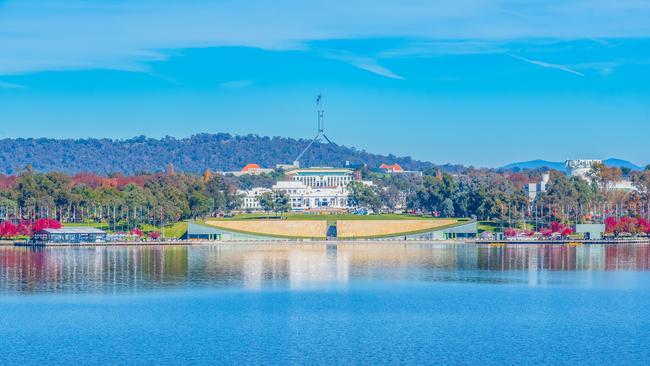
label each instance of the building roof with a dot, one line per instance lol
(257, 191)
(289, 184)
(73, 230)
(320, 171)
(393, 168)
(250, 166)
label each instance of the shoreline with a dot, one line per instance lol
(333, 242)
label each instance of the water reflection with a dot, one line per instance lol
(254, 266)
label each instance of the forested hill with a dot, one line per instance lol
(193, 154)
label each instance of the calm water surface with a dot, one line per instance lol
(326, 304)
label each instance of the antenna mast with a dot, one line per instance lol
(321, 129)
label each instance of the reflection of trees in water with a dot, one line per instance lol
(106, 269)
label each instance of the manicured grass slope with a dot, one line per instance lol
(275, 228)
(387, 228)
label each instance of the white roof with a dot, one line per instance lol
(74, 230)
(290, 184)
(257, 191)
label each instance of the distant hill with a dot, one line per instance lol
(622, 163)
(538, 164)
(535, 164)
(218, 152)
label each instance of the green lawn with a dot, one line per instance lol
(489, 226)
(173, 231)
(177, 230)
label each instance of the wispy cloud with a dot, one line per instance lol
(6, 85)
(362, 62)
(371, 65)
(547, 65)
(41, 35)
(604, 68)
(444, 48)
(235, 84)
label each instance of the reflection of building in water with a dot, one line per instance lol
(398, 261)
(310, 265)
(257, 266)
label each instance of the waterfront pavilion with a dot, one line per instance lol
(68, 235)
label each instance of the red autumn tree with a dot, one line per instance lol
(610, 224)
(41, 224)
(8, 229)
(566, 231)
(92, 180)
(137, 232)
(154, 235)
(25, 228)
(556, 227)
(510, 232)
(644, 225)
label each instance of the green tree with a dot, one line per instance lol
(362, 195)
(267, 201)
(281, 202)
(200, 204)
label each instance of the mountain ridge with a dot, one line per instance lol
(193, 154)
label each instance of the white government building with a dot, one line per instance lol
(582, 168)
(309, 189)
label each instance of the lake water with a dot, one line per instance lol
(326, 305)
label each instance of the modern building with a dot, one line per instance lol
(591, 231)
(534, 189)
(580, 167)
(324, 177)
(68, 235)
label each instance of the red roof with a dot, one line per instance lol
(250, 166)
(392, 168)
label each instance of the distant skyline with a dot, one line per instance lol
(482, 83)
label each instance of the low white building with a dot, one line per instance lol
(303, 197)
(250, 199)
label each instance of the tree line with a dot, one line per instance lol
(483, 194)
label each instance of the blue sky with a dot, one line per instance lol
(473, 82)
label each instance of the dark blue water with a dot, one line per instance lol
(313, 304)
